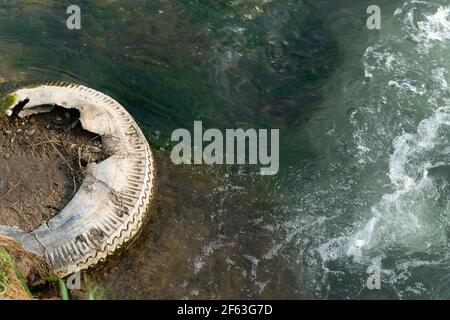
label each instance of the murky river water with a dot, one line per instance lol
(364, 118)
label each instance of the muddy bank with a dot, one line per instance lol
(19, 269)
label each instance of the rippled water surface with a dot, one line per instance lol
(364, 117)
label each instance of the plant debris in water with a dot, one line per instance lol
(42, 164)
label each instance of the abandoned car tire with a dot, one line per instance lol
(114, 199)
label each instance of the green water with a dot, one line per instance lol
(364, 119)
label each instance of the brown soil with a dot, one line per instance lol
(16, 262)
(42, 163)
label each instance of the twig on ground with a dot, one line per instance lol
(10, 189)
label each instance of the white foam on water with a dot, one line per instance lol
(403, 217)
(381, 58)
(410, 217)
(436, 27)
(432, 29)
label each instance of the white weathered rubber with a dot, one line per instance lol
(113, 200)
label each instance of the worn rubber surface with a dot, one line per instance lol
(113, 200)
